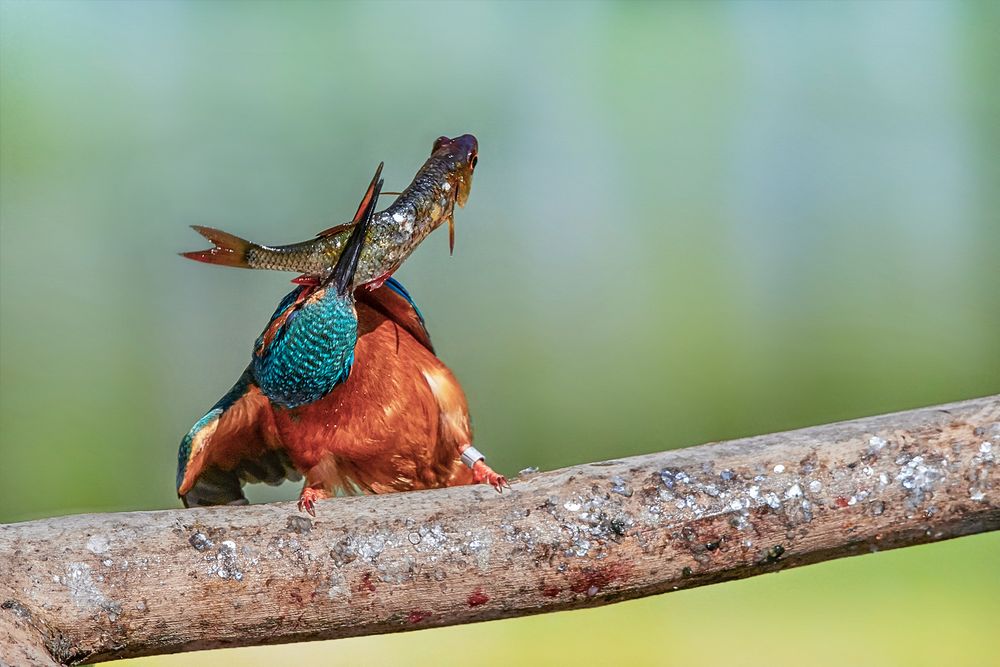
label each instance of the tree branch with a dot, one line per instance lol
(97, 587)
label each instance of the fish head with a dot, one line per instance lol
(459, 156)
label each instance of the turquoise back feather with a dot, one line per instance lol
(312, 351)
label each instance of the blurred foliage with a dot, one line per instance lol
(690, 222)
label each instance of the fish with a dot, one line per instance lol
(443, 181)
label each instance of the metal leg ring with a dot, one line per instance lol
(471, 456)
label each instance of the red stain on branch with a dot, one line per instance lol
(477, 598)
(417, 616)
(591, 580)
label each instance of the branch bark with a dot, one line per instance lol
(98, 587)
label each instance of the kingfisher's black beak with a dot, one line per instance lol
(370, 194)
(342, 276)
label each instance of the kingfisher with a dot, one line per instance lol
(343, 389)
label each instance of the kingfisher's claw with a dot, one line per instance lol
(483, 474)
(308, 498)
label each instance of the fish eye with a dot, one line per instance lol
(475, 160)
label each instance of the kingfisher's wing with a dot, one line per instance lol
(393, 301)
(234, 443)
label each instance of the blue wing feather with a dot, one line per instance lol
(398, 288)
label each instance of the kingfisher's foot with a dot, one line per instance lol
(483, 474)
(308, 498)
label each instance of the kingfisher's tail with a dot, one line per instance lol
(229, 250)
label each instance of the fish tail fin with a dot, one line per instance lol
(229, 250)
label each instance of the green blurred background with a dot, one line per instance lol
(690, 222)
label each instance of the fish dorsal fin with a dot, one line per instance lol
(369, 194)
(336, 229)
